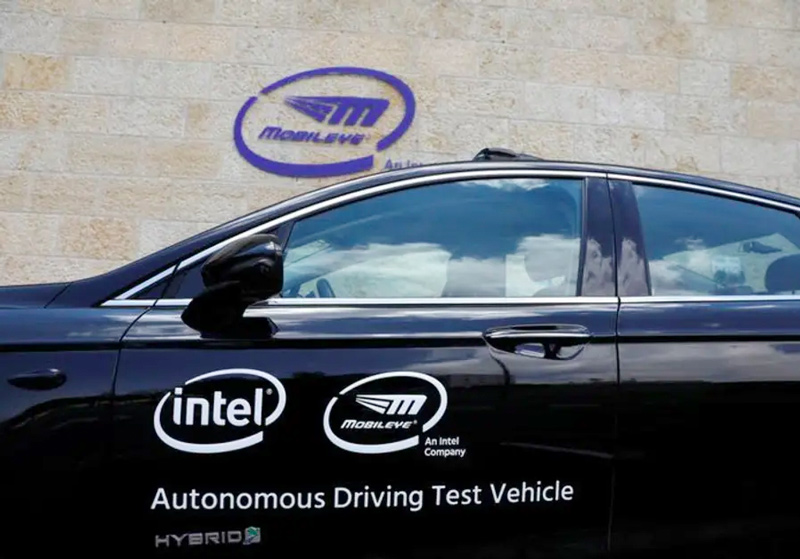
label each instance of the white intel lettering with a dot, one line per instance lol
(199, 412)
(238, 412)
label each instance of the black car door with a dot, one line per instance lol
(709, 333)
(435, 380)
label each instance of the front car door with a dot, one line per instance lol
(709, 333)
(436, 379)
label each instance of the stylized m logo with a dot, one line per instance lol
(354, 108)
(392, 404)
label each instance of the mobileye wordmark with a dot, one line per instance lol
(220, 411)
(329, 111)
(371, 416)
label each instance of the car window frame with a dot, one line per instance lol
(127, 299)
(631, 226)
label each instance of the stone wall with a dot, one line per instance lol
(116, 115)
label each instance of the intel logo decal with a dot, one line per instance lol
(220, 411)
(323, 122)
(384, 413)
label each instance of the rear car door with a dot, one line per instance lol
(436, 379)
(709, 332)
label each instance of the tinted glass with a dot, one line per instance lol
(700, 244)
(494, 238)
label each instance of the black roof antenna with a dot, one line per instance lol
(495, 154)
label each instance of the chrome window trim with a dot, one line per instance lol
(145, 284)
(636, 300)
(704, 189)
(364, 193)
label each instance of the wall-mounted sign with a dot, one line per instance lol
(324, 122)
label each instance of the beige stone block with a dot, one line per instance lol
(35, 71)
(104, 154)
(544, 139)
(790, 186)
(461, 134)
(695, 11)
(158, 78)
(240, 81)
(155, 235)
(166, 199)
(773, 120)
(560, 103)
(474, 96)
(186, 11)
(83, 36)
(54, 7)
(758, 157)
(103, 75)
(62, 193)
(28, 233)
(29, 32)
(123, 9)
(269, 13)
(13, 191)
(534, 27)
(716, 43)
(662, 38)
(152, 118)
(211, 120)
(779, 48)
(617, 145)
(12, 144)
(74, 113)
(605, 69)
(261, 195)
(269, 46)
(97, 237)
(43, 152)
(19, 110)
(333, 16)
(641, 109)
(707, 115)
(510, 61)
(367, 49)
(775, 14)
(684, 153)
(700, 77)
(593, 32)
(19, 269)
(175, 158)
(764, 83)
(447, 20)
(137, 39)
(201, 42)
(657, 9)
(452, 57)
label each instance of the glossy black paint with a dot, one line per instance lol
(519, 418)
(673, 422)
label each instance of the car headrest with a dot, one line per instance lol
(783, 274)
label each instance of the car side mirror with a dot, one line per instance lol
(242, 273)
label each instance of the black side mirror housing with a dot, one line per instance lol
(242, 273)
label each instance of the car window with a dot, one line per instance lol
(702, 244)
(490, 238)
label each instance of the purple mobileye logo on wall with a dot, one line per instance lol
(305, 125)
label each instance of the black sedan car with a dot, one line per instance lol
(503, 357)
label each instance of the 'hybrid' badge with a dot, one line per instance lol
(384, 413)
(220, 411)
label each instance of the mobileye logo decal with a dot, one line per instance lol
(384, 413)
(220, 411)
(305, 116)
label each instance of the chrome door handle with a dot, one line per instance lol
(546, 341)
